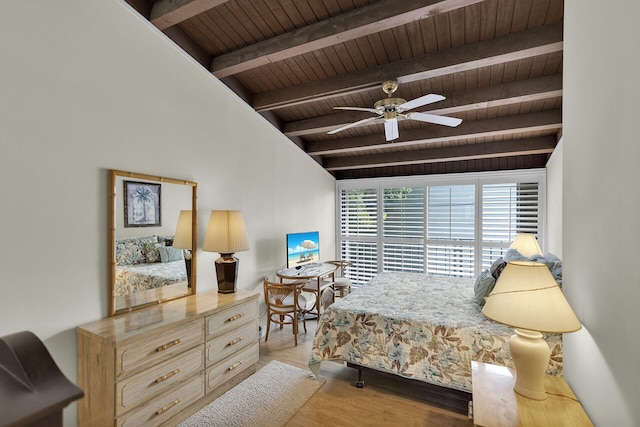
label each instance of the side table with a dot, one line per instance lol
(496, 404)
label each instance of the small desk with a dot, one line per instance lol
(496, 404)
(320, 275)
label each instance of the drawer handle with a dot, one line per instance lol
(167, 345)
(235, 365)
(234, 342)
(167, 407)
(167, 376)
(236, 317)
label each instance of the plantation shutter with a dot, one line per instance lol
(443, 225)
(507, 209)
(451, 230)
(403, 229)
(359, 233)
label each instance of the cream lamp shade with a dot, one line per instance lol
(526, 244)
(527, 297)
(226, 234)
(183, 238)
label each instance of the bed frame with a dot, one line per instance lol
(443, 397)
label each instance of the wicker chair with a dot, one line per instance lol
(285, 305)
(341, 283)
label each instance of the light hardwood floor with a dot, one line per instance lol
(382, 401)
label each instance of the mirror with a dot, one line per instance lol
(152, 240)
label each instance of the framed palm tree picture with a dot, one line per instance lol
(142, 204)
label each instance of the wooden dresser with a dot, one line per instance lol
(160, 364)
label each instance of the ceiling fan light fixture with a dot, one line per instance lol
(389, 109)
(389, 86)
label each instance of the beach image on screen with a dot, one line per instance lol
(302, 248)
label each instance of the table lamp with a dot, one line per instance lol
(183, 239)
(526, 244)
(527, 297)
(226, 234)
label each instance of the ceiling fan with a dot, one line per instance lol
(391, 109)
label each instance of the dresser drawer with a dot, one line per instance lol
(223, 346)
(157, 348)
(231, 366)
(157, 379)
(160, 409)
(228, 320)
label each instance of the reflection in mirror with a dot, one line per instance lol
(152, 239)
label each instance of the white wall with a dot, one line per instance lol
(601, 206)
(88, 86)
(554, 202)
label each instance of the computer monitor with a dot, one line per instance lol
(303, 248)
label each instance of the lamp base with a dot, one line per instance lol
(226, 273)
(187, 266)
(530, 355)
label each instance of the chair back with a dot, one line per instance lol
(283, 296)
(341, 267)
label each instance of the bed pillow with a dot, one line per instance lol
(514, 255)
(497, 267)
(151, 252)
(168, 254)
(167, 240)
(484, 285)
(129, 253)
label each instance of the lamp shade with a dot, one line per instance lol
(526, 244)
(226, 233)
(527, 296)
(183, 237)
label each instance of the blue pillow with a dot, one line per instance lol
(484, 285)
(167, 254)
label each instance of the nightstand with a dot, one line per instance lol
(496, 404)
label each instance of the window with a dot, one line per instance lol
(446, 225)
(358, 211)
(507, 209)
(403, 229)
(451, 230)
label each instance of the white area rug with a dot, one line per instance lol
(270, 397)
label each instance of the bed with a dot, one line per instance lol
(140, 277)
(426, 328)
(147, 263)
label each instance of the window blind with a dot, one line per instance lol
(455, 226)
(358, 232)
(507, 209)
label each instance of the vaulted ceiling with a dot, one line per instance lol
(498, 63)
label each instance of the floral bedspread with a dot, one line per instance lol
(138, 277)
(423, 327)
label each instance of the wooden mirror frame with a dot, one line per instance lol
(114, 193)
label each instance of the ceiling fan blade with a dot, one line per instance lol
(368, 110)
(350, 125)
(419, 102)
(432, 118)
(391, 129)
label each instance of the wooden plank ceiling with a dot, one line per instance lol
(498, 63)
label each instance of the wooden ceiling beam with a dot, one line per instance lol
(360, 22)
(518, 147)
(186, 43)
(512, 47)
(166, 13)
(498, 127)
(546, 87)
